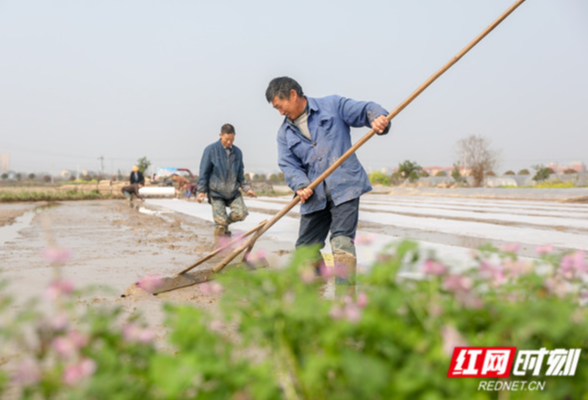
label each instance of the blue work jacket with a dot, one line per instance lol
(221, 176)
(302, 160)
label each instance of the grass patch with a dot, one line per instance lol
(24, 195)
(555, 185)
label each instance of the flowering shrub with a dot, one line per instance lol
(276, 336)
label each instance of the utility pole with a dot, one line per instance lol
(101, 158)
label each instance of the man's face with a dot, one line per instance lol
(227, 139)
(291, 107)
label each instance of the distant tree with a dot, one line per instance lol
(379, 178)
(476, 153)
(542, 173)
(281, 177)
(255, 177)
(490, 173)
(570, 171)
(99, 177)
(86, 177)
(524, 172)
(456, 174)
(4, 176)
(262, 177)
(46, 179)
(441, 173)
(31, 176)
(409, 170)
(18, 176)
(72, 178)
(424, 174)
(273, 178)
(143, 163)
(509, 172)
(395, 178)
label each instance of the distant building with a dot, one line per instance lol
(578, 166)
(434, 170)
(4, 162)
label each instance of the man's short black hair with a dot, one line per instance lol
(281, 87)
(228, 128)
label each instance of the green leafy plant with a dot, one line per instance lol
(143, 163)
(409, 170)
(277, 337)
(542, 174)
(379, 178)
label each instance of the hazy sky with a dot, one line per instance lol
(124, 79)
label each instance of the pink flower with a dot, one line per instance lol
(133, 333)
(516, 268)
(431, 267)
(548, 248)
(308, 275)
(461, 286)
(150, 283)
(56, 255)
(26, 373)
(78, 339)
(573, 264)
(493, 272)
(336, 311)
(211, 288)
(75, 373)
(64, 347)
(225, 243)
(365, 238)
(557, 286)
(362, 300)
(67, 346)
(451, 339)
(256, 258)
(352, 313)
(510, 247)
(327, 272)
(59, 322)
(58, 288)
(216, 326)
(458, 283)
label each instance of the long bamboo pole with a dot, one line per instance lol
(251, 241)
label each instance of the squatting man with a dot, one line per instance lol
(314, 134)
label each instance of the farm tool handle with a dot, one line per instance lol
(251, 241)
(223, 247)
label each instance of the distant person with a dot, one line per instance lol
(221, 176)
(137, 181)
(182, 185)
(314, 134)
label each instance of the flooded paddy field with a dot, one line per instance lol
(113, 245)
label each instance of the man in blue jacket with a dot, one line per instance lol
(221, 177)
(314, 134)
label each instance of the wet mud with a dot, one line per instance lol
(113, 246)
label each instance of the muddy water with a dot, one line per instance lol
(112, 247)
